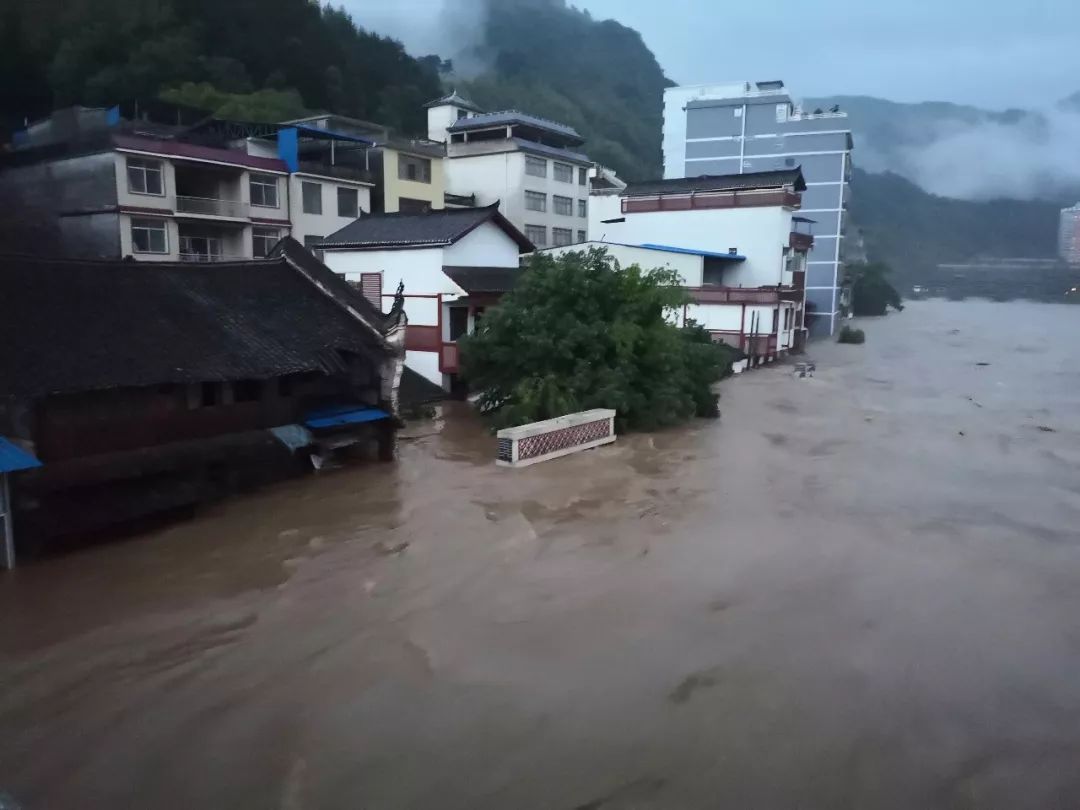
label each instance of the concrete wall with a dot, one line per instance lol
(486, 246)
(760, 234)
(394, 188)
(688, 267)
(326, 223)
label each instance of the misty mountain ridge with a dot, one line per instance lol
(965, 152)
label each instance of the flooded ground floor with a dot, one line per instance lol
(860, 590)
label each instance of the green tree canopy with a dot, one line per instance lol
(871, 292)
(581, 332)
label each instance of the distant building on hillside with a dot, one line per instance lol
(529, 165)
(757, 127)
(1069, 235)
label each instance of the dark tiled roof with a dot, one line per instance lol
(513, 118)
(484, 279)
(416, 389)
(457, 100)
(431, 229)
(726, 182)
(69, 325)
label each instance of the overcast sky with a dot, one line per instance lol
(993, 53)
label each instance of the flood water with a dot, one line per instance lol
(860, 590)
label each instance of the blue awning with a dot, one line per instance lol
(344, 415)
(13, 459)
(711, 254)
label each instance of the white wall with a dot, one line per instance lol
(426, 364)
(486, 246)
(328, 221)
(687, 266)
(721, 317)
(441, 119)
(601, 207)
(760, 234)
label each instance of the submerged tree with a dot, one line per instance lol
(582, 332)
(871, 292)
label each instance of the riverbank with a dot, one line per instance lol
(860, 589)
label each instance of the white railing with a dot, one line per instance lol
(541, 441)
(211, 207)
(201, 258)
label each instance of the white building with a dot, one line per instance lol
(748, 241)
(453, 264)
(1069, 235)
(527, 164)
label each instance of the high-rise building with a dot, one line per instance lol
(757, 127)
(1069, 235)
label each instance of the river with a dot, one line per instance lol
(857, 590)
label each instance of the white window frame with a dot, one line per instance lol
(542, 242)
(563, 206)
(582, 208)
(536, 201)
(149, 224)
(144, 167)
(563, 168)
(303, 197)
(263, 181)
(271, 235)
(536, 167)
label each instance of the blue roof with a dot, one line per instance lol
(13, 459)
(344, 415)
(710, 254)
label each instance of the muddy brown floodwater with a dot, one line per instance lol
(860, 590)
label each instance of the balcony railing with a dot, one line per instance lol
(201, 258)
(211, 207)
(756, 198)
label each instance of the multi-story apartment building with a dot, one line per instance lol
(529, 165)
(757, 127)
(154, 193)
(1069, 235)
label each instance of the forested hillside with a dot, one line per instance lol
(598, 76)
(913, 231)
(265, 59)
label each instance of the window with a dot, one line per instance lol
(145, 177)
(414, 168)
(312, 243)
(247, 391)
(562, 236)
(312, 194)
(535, 201)
(459, 322)
(582, 208)
(564, 206)
(564, 173)
(149, 236)
(407, 205)
(583, 177)
(263, 241)
(537, 234)
(264, 190)
(462, 113)
(200, 248)
(371, 288)
(348, 201)
(582, 236)
(537, 167)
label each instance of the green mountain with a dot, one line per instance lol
(553, 60)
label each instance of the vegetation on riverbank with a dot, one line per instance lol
(871, 291)
(850, 335)
(581, 332)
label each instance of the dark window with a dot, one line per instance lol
(462, 114)
(264, 190)
(312, 243)
(414, 168)
(535, 201)
(209, 395)
(564, 173)
(562, 236)
(582, 177)
(263, 241)
(537, 167)
(145, 177)
(582, 208)
(407, 205)
(459, 322)
(247, 391)
(347, 202)
(564, 206)
(149, 236)
(582, 236)
(312, 193)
